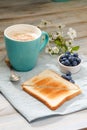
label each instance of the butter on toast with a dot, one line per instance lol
(51, 89)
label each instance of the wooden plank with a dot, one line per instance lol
(72, 14)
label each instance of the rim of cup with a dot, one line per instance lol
(21, 26)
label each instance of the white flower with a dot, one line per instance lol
(44, 23)
(51, 50)
(59, 33)
(68, 43)
(61, 26)
(54, 36)
(72, 33)
(60, 29)
(48, 49)
(55, 50)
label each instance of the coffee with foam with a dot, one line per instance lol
(25, 36)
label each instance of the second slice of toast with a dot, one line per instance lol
(51, 89)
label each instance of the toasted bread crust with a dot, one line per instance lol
(46, 103)
(51, 85)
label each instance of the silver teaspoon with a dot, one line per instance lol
(13, 76)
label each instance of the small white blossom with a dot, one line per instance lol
(61, 26)
(72, 33)
(60, 29)
(54, 36)
(69, 42)
(55, 50)
(51, 50)
(44, 23)
(48, 49)
(59, 33)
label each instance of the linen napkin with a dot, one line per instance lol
(29, 107)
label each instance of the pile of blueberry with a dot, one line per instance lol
(68, 77)
(70, 59)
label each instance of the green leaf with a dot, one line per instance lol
(75, 48)
(57, 42)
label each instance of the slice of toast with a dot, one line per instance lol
(51, 89)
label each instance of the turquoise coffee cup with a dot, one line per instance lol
(23, 52)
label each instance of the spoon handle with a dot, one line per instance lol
(13, 76)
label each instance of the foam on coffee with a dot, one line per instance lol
(25, 36)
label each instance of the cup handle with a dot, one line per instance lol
(45, 41)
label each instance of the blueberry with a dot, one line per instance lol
(74, 63)
(63, 56)
(71, 58)
(67, 63)
(64, 76)
(60, 59)
(74, 58)
(64, 59)
(67, 77)
(63, 62)
(78, 60)
(75, 54)
(68, 73)
(72, 81)
(68, 53)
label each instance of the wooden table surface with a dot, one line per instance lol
(72, 14)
